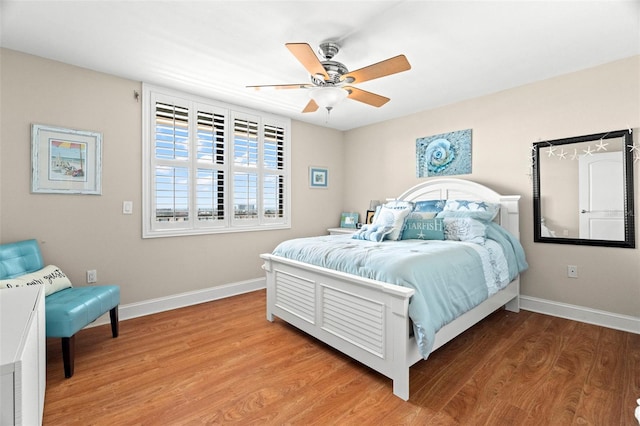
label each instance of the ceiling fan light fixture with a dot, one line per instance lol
(328, 96)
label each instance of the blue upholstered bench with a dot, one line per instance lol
(67, 311)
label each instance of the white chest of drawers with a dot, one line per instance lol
(22, 355)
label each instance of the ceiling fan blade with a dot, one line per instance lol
(390, 66)
(312, 106)
(281, 86)
(366, 97)
(304, 53)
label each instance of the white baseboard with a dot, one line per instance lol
(528, 303)
(180, 300)
(582, 314)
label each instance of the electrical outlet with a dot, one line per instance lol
(572, 271)
(92, 276)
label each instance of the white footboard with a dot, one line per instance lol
(365, 319)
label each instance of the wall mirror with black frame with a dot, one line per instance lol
(583, 190)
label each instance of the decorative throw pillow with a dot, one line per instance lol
(372, 232)
(427, 209)
(50, 276)
(465, 229)
(473, 209)
(423, 229)
(393, 214)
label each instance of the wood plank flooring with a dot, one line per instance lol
(222, 362)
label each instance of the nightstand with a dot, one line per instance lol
(338, 231)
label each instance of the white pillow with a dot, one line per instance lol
(50, 276)
(465, 229)
(393, 214)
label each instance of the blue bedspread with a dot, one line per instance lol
(449, 277)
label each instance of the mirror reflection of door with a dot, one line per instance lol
(583, 190)
(601, 197)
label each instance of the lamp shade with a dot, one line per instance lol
(329, 96)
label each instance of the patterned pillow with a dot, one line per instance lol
(427, 209)
(423, 229)
(465, 229)
(393, 214)
(50, 276)
(372, 232)
(473, 209)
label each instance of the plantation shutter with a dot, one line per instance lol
(171, 176)
(211, 169)
(245, 166)
(273, 194)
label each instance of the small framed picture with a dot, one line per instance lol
(349, 220)
(65, 161)
(318, 177)
(370, 215)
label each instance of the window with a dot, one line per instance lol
(210, 167)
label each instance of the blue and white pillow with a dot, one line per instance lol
(423, 229)
(465, 229)
(393, 214)
(427, 209)
(372, 232)
(473, 209)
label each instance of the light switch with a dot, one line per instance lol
(127, 207)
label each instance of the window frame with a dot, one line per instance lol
(152, 228)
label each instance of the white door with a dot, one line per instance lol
(601, 199)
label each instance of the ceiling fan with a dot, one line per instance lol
(331, 80)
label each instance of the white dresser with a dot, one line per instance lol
(22, 356)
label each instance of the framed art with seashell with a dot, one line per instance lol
(444, 154)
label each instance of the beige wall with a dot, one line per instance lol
(81, 232)
(504, 126)
(374, 162)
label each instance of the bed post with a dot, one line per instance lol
(398, 327)
(510, 220)
(401, 385)
(267, 267)
(514, 304)
(510, 214)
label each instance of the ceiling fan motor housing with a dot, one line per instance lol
(335, 70)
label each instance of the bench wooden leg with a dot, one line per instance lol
(68, 354)
(113, 314)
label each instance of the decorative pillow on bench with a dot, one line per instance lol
(50, 276)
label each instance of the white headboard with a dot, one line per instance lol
(453, 188)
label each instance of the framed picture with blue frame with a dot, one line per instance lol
(318, 177)
(349, 220)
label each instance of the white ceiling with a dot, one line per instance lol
(458, 49)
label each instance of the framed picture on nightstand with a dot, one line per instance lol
(370, 215)
(348, 220)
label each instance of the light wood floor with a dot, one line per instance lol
(222, 362)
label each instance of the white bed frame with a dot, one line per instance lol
(366, 319)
